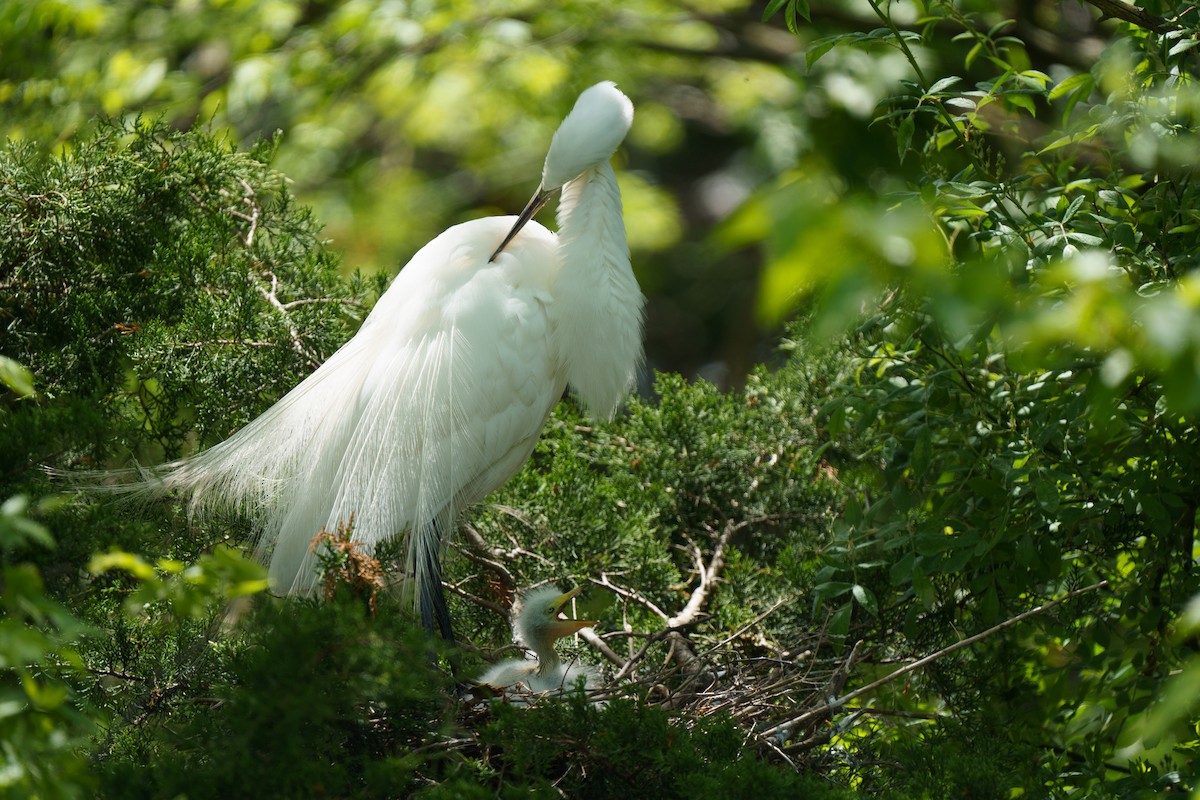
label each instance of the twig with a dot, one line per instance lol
(485, 555)
(1116, 9)
(593, 638)
(108, 673)
(226, 342)
(445, 746)
(629, 594)
(748, 625)
(894, 712)
(308, 301)
(708, 576)
(479, 601)
(251, 200)
(789, 725)
(297, 340)
(639, 655)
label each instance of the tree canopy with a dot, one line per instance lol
(909, 508)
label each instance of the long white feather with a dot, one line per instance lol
(601, 307)
(429, 407)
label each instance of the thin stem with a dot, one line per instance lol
(826, 708)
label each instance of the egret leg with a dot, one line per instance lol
(431, 598)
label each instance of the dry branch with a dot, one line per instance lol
(1117, 9)
(785, 728)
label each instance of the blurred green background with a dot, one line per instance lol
(399, 119)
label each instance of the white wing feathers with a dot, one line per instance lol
(412, 419)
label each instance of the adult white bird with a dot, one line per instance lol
(441, 395)
(538, 624)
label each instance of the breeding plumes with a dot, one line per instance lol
(441, 395)
(537, 625)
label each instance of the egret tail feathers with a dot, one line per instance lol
(427, 580)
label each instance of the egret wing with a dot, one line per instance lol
(460, 380)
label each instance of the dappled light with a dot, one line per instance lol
(902, 502)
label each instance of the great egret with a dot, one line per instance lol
(537, 625)
(441, 395)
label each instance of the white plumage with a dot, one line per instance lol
(537, 625)
(441, 395)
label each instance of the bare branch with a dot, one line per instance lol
(225, 342)
(1118, 9)
(479, 601)
(638, 656)
(789, 725)
(708, 575)
(593, 638)
(251, 200)
(485, 555)
(629, 594)
(293, 333)
(309, 301)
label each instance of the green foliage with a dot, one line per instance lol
(168, 290)
(41, 726)
(314, 700)
(1026, 380)
(666, 484)
(159, 276)
(323, 699)
(985, 213)
(627, 748)
(188, 591)
(130, 247)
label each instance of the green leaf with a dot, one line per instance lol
(1088, 239)
(16, 527)
(904, 135)
(865, 598)
(943, 84)
(16, 377)
(819, 48)
(1072, 209)
(1063, 141)
(839, 623)
(922, 586)
(1068, 85)
(1047, 495)
(773, 8)
(945, 138)
(1182, 46)
(973, 54)
(127, 562)
(1022, 101)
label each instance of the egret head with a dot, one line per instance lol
(537, 621)
(589, 136)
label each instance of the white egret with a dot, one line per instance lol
(441, 395)
(537, 625)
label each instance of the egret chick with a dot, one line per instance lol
(537, 625)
